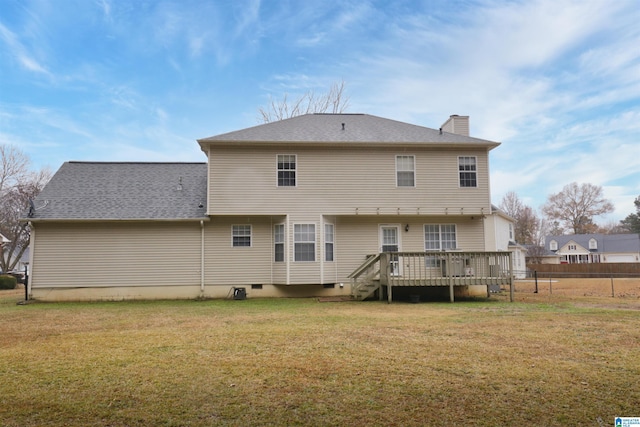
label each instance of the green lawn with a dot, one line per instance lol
(298, 362)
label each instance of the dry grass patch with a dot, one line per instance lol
(297, 362)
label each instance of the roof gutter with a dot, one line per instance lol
(351, 144)
(122, 220)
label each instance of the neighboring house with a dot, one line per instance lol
(298, 207)
(3, 241)
(22, 263)
(593, 248)
(500, 236)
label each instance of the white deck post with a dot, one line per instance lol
(511, 291)
(450, 274)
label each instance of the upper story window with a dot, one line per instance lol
(304, 242)
(241, 235)
(553, 245)
(278, 242)
(286, 170)
(468, 172)
(405, 171)
(510, 231)
(572, 247)
(593, 244)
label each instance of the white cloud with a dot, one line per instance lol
(20, 52)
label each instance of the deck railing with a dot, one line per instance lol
(445, 269)
(450, 269)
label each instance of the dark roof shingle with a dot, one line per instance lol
(358, 128)
(124, 191)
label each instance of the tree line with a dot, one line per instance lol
(570, 211)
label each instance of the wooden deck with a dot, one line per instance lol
(451, 269)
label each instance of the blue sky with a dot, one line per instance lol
(556, 81)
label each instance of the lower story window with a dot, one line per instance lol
(278, 240)
(439, 237)
(304, 242)
(328, 242)
(241, 235)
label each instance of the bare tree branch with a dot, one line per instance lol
(14, 166)
(527, 226)
(17, 187)
(334, 101)
(575, 207)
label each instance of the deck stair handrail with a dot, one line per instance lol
(365, 280)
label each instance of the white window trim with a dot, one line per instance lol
(424, 241)
(283, 243)
(414, 171)
(333, 242)
(295, 156)
(315, 241)
(476, 171)
(250, 235)
(455, 227)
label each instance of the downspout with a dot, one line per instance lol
(201, 259)
(287, 240)
(322, 248)
(32, 244)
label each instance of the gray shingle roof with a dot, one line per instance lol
(358, 128)
(124, 191)
(606, 242)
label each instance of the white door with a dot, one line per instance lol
(390, 242)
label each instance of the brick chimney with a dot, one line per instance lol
(457, 124)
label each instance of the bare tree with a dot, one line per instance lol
(334, 101)
(511, 204)
(535, 253)
(527, 222)
(14, 167)
(611, 227)
(576, 205)
(18, 185)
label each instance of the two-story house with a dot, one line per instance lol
(593, 248)
(289, 208)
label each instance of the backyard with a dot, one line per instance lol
(547, 359)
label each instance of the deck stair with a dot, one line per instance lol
(365, 280)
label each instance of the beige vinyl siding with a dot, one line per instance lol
(340, 181)
(228, 265)
(116, 254)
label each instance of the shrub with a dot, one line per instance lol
(7, 282)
